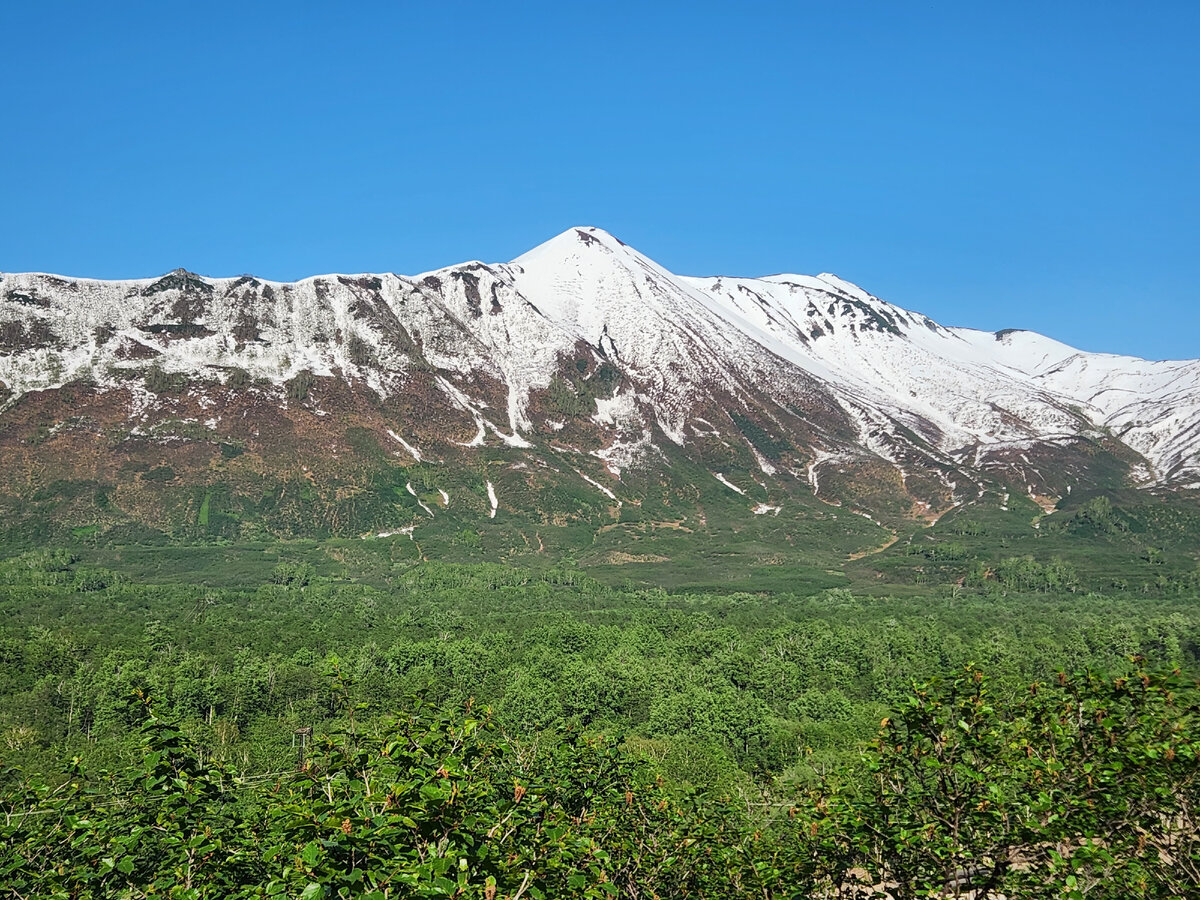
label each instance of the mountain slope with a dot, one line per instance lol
(579, 386)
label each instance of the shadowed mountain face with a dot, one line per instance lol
(579, 399)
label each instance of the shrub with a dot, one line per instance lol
(158, 381)
(297, 388)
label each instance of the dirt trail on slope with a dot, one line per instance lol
(865, 553)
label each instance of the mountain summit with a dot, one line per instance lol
(581, 368)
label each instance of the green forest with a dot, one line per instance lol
(314, 729)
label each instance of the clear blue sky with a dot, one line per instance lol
(1002, 164)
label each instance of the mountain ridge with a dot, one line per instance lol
(584, 349)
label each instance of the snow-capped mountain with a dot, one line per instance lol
(584, 349)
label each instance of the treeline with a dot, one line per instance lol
(1079, 787)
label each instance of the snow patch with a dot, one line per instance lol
(409, 448)
(511, 440)
(408, 487)
(609, 494)
(491, 491)
(729, 484)
(407, 529)
(763, 463)
(820, 457)
(621, 455)
(620, 409)
(463, 402)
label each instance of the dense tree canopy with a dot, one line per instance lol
(575, 739)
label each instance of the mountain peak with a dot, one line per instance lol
(593, 236)
(571, 242)
(583, 276)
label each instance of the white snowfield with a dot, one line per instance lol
(893, 373)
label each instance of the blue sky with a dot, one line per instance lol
(996, 165)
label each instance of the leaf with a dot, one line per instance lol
(312, 891)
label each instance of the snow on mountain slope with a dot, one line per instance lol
(1152, 406)
(903, 363)
(521, 343)
(669, 339)
(816, 354)
(956, 387)
(973, 386)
